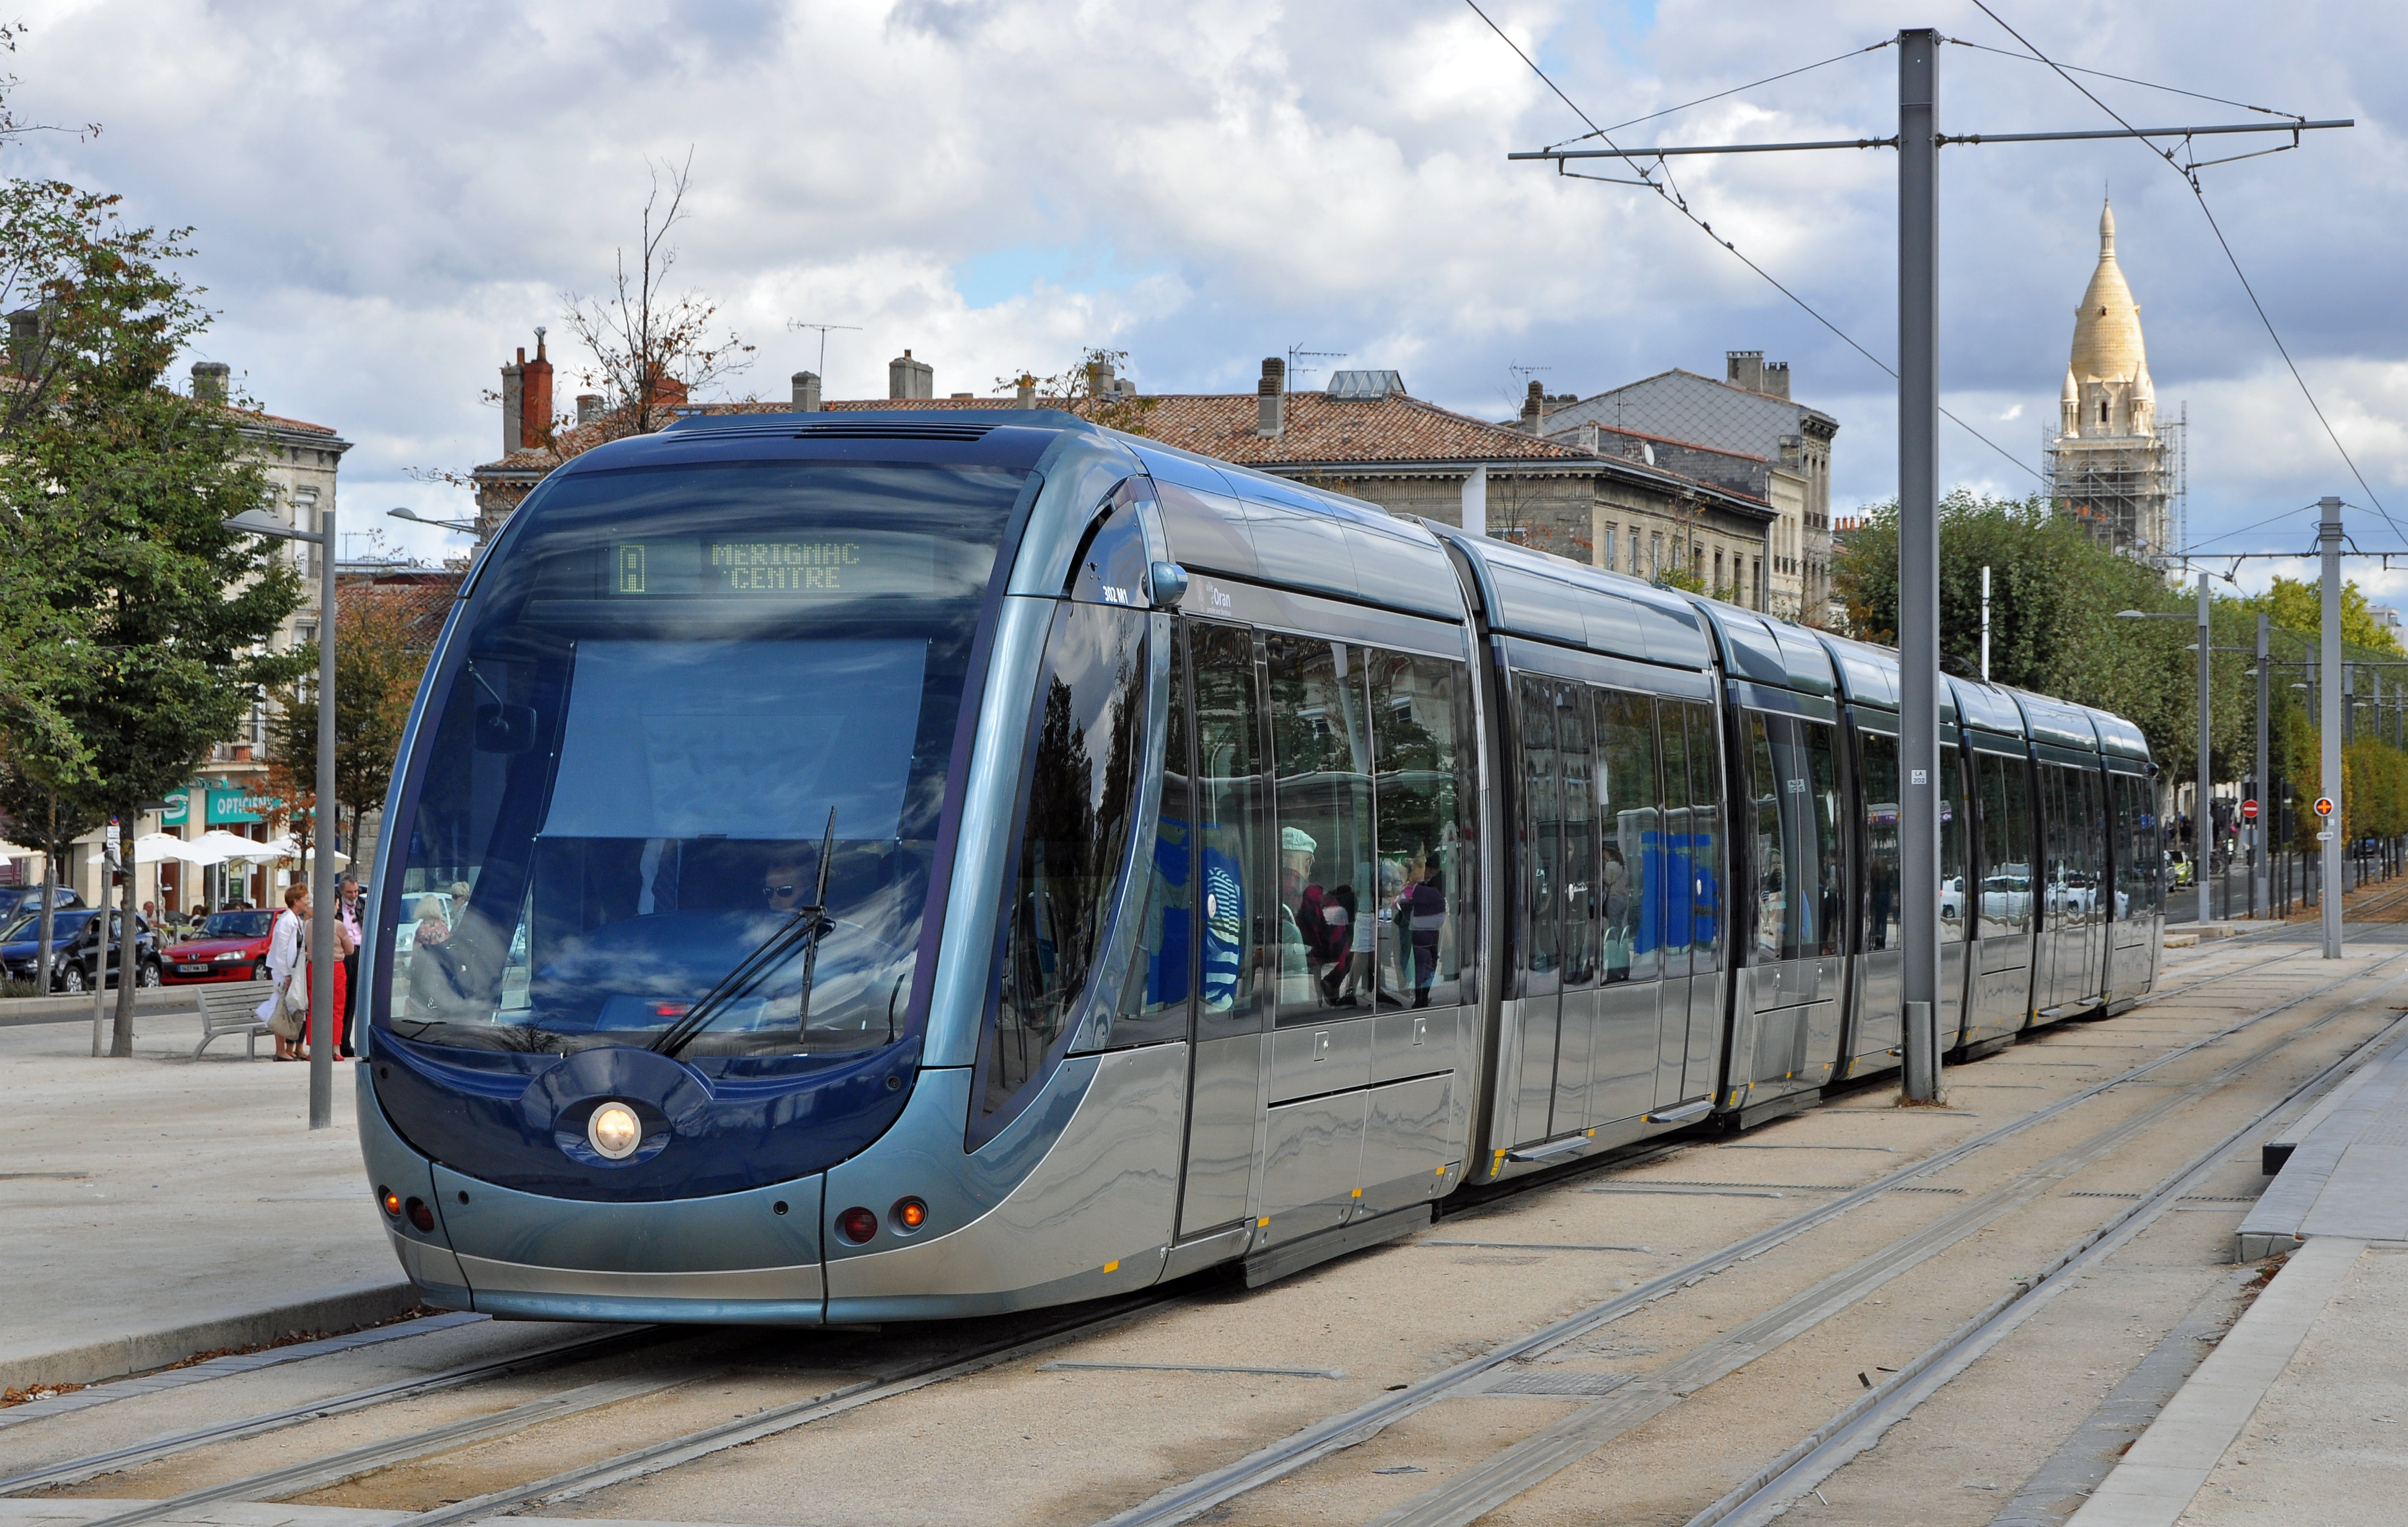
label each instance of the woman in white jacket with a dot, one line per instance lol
(287, 1008)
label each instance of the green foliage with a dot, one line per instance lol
(2055, 595)
(2295, 605)
(376, 677)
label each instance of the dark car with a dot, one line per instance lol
(75, 958)
(19, 899)
(229, 947)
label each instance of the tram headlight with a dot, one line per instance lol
(614, 1132)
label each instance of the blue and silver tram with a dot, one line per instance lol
(851, 868)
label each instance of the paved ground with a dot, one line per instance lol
(2302, 1412)
(153, 1203)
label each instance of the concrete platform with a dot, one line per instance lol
(156, 1207)
(2301, 1414)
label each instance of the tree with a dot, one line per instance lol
(651, 349)
(377, 663)
(2298, 605)
(2054, 626)
(131, 483)
(1092, 387)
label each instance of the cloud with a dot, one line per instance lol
(387, 200)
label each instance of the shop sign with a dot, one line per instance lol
(233, 806)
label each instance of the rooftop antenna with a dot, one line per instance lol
(822, 328)
(1298, 352)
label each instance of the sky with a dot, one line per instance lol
(387, 200)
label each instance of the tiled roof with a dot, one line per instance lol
(1556, 431)
(423, 603)
(1318, 431)
(279, 422)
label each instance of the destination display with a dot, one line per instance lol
(812, 566)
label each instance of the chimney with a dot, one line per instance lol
(209, 376)
(514, 406)
(24, 339)
(908, 379)
(1745, 368)
(535, 407)
(1024, 396)
(1588, 436)
(1100, 379)
(1271, 416)
(807, 392)
(589, 407)
(1776, 377)
(1534, 406)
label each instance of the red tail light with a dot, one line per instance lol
(421, 1216)
(857, 1225)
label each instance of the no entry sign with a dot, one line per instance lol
(2324, 805)
(2248, 811)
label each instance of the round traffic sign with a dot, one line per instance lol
(2324, 805)
(2248, 811)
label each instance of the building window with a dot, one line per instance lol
(1655, 553)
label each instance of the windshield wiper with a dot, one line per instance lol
(804, 922)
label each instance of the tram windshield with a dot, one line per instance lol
(693, 696)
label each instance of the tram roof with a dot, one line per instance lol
(1553, 599)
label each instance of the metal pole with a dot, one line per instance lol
(1986, 625)
(2329, 781)
(2265, 791)
(2202, 817)
(322, 910)
(1918, 546)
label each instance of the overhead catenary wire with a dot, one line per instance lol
(2122, 80)
(1735, 90)
(2191, 178)
(1670, 193)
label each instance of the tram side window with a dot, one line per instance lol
(1154, 1002)
(1700, 854)
(2099, 896)
(1322, 750)
(1799, 893)
(1952, 839)
(1627, 805)
(1085, 746)
(1543, 838)
(1823, 830)
(1235, 933)
(1112, 565)
(1770, 858)
(1575, 749)
(2005, 902)
(1420, 718)
(1673, 898)
(1885, 914)
(2127, 844)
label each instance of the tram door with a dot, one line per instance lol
(1232, 896)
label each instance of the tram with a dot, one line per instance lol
(848, 868)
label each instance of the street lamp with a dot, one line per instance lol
(465, 527)
(2200, 805)
(321, 876)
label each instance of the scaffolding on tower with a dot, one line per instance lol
(2129, 492)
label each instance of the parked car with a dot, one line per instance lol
(75, 958)
(29, 899)
(1952, 899)
(228, 947)
(2178, 867)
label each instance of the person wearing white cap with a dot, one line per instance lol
(1302, 928)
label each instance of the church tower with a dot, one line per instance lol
(2109, 464)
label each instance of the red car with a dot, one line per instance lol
(231, 946)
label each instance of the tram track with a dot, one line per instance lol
(1516, 1469)
(959, 1362)
(1832, 1446)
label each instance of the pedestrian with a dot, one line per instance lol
(347, 891)
(286, 1010)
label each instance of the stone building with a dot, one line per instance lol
(1651, 506)
(2111, 464)
(1745, 434)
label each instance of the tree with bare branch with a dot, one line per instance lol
(652, 349)
(1091, 388)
